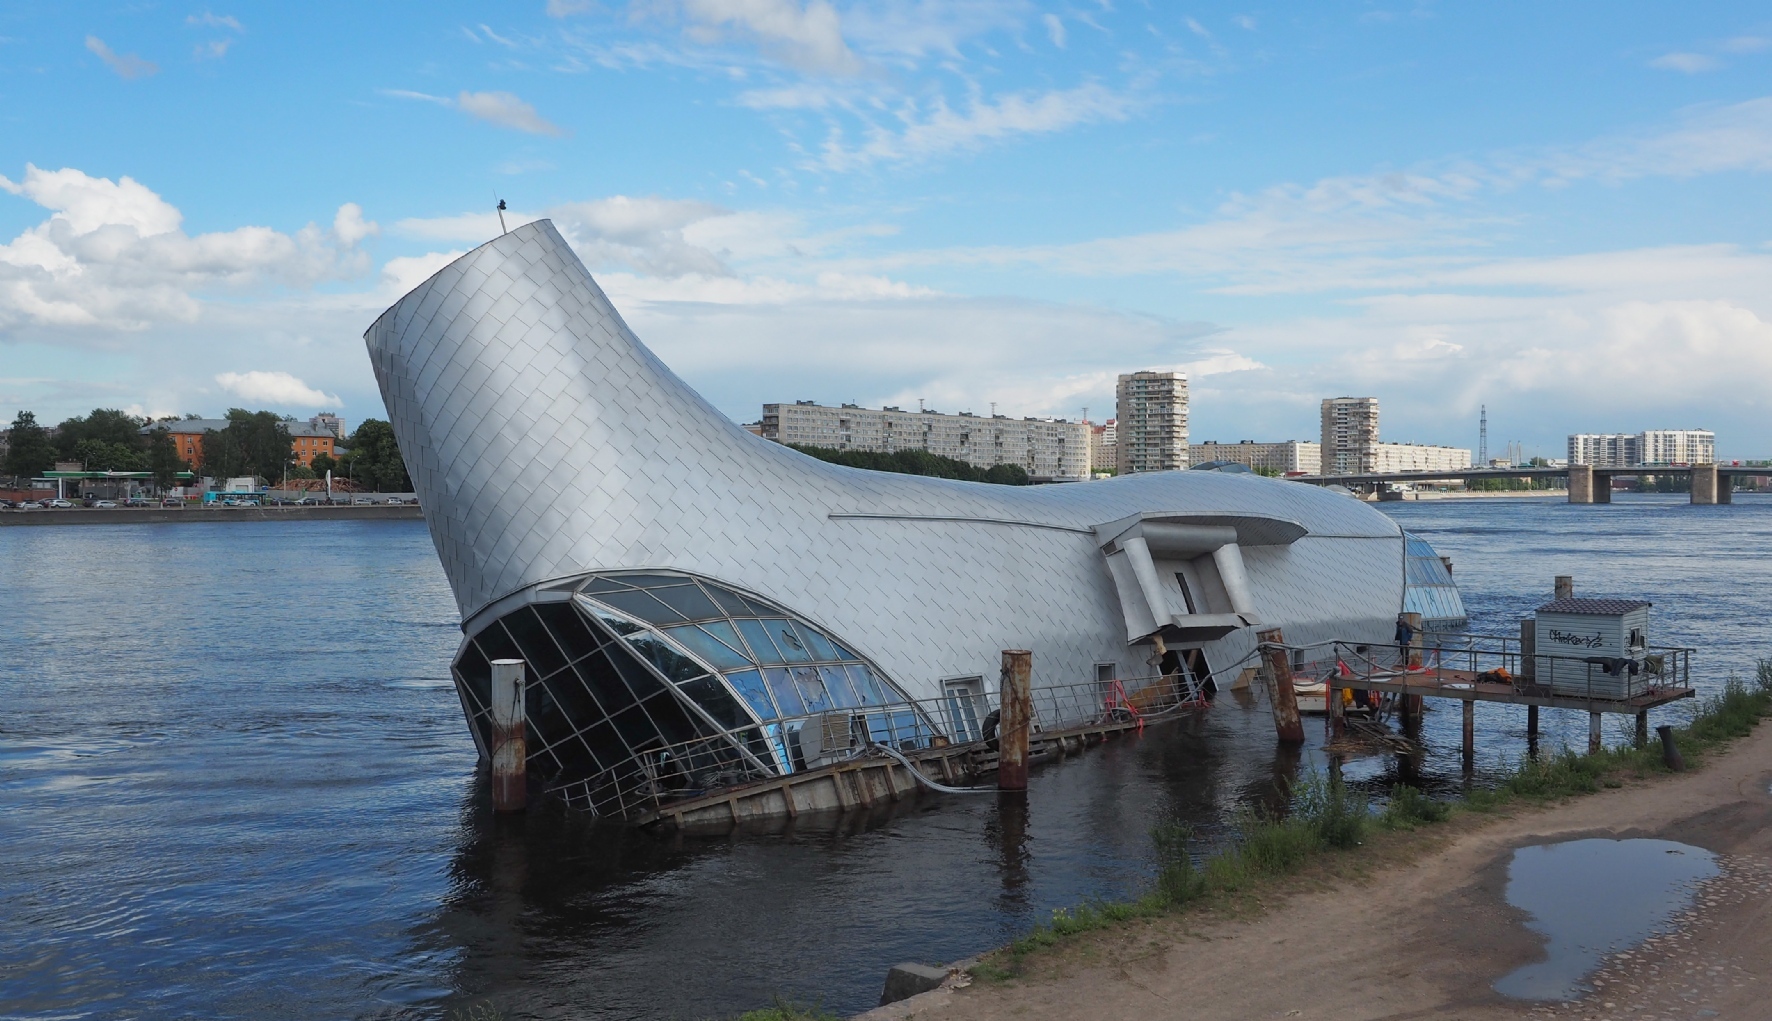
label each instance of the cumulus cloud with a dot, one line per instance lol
(275, 388)
(112, 254)
(127, 65)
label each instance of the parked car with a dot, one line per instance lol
(361, 501)
(138, 501)
(60, 504)
(171, 501)
(107, 504)
(395, 500)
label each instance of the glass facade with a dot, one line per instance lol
(1428, 588)
(642, 685)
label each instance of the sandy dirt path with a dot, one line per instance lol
(1425, 939)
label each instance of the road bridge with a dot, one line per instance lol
(1711, 483)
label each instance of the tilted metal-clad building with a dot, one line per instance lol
(694, 602)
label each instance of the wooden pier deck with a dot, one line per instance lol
(1464, 686)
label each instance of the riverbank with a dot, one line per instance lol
(173, 515)
(1417, 925)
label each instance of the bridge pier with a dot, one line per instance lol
(1588, 486)
(1709, 486)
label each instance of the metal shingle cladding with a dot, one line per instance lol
(544, 441)
(1605, 607)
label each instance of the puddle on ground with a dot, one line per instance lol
(1591, 898)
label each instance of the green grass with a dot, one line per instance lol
(1328, 819)
(782, 1010)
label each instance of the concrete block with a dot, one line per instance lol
(907, 980)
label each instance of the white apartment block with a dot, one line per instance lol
(1048, 449)
(1418, 457)
(1104, 440)
(1285, 457)
(1653, 446)
(1349, 435)
(1151, 418)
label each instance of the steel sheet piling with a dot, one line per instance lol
(1015, 695)
(1281, 695)
(510, 786)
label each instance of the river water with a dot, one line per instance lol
(235, 782)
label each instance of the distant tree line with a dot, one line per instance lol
(252, 443)
(919, 462)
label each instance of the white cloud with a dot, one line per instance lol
(406, 272)
(211, 20)
(215, 49)
(1055, 30)
(127, 65)
(933, 128)
(567, 8)
(1747, 44)
(1689, 63)
(275, 388)
(112, 255)
(505, 110)
(808, 37)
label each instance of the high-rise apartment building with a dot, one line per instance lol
(1151, 420)
(1285, 457)
(1350, 435)
(1104, 440)
(1048, 449)
(1653, 446)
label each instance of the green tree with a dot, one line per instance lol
(919, 462)
(163, 459)
(374, 462)
(104, 425)
(31, 453)
(252, 443)
(324, 463)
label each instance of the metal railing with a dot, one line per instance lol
(658, 776)
(1447, 658)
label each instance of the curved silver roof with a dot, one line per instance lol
(545, 441)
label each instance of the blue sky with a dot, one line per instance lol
(1559, 211)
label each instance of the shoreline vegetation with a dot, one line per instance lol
(1327, 823)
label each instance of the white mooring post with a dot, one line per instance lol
(510, 786)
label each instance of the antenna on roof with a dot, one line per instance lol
(502, 229)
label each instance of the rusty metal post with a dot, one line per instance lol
(1287, 726)
(1333, 709)
(510, 783)
(1470, 734)
(1015, 700)
(1565, 586)
(1642, 728)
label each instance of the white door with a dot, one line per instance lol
(962, 698)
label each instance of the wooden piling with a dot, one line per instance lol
(1643, 729)
(1470, 734)
(1531, 721)
(1015, 698)
(1412, 704)
(1593, 733)
(510, 783)
(1281, 695)
(1670, 752)
(1565, 586)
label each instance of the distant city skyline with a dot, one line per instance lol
(1555, 212)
